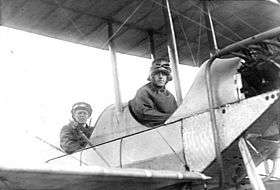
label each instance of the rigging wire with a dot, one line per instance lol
(93, 148)
(53, 146)
(182, 117)
(135, 10)
(246, 23)
(85, 138)
(102, 157)
(243, 21)
(173, 10)
(146, 37)
(121, 26)
(156, 128)
(186, 38)
(113, 140)
(69, 18)
(157, 3)
(171, 147)
(191, 20)
(224, 26)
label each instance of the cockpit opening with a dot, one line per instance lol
(260, 68)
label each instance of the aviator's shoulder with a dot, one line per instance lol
(67, 127)
(144, 89)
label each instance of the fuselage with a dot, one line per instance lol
(186, 139)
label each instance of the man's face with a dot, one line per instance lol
(160, 79)
(81, 116)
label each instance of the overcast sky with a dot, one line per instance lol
(42, 77)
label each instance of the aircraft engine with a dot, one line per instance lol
(260, 69)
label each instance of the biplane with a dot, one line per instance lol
(226, 124)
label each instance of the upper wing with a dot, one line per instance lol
(85, 22)
(48, 177)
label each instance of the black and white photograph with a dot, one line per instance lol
(140, 94)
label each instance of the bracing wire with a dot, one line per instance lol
(186, 38)
(138, 7)
(199, 39)
(53, 146)
(155, 128)
(121, 26)
(93, 148)
(176, 12)
(173, 10)
(113, 140)
(246, 23)
(171, 147)
(220, 23)
(69, 18)
(191, 20)
(102, 157)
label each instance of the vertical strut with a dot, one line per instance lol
(172, 50)
(152, 45)
(111, 46)
(1, 7)
(212, 41)
(216, 134)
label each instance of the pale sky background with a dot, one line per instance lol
(42, 77)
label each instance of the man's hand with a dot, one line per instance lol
(74, 124)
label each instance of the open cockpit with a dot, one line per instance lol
(260, 68)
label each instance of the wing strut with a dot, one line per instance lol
(1, 12)
(172, 50)
(113, 56)
(216, 135)
(213, 44)
(152, 44)
(212, 41)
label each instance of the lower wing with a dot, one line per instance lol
(49, 177)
